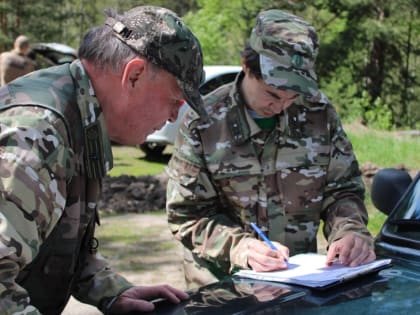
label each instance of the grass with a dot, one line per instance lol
(129, 244)
(385, 149)
(130, 160)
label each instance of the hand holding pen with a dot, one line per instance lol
(266, 258)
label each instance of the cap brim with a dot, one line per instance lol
(194, 99)
(287, 78)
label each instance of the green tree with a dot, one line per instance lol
(368, 61)
(223, 27)
(40, 20)
(370, 48)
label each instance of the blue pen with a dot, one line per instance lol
(263, 236)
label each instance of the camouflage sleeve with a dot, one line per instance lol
(34, 165)
(343, 207)
(99, 284)
(195, 214)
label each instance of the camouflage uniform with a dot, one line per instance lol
(225, 174)
(54, 152)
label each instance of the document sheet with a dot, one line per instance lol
(310, 270)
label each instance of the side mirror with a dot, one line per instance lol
(388, 186)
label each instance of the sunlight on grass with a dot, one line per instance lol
(385, 149)
(130, 160)
(126, 245)
(376, 220)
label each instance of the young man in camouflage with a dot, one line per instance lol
(16, 63)
(274, 153)
(55, 130)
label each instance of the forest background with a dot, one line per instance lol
(368, 63)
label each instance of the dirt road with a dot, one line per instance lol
(167, 268)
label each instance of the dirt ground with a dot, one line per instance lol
(168, 269)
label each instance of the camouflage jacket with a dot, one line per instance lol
(228, 173)
(54, 150)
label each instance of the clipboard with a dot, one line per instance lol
(309, 270)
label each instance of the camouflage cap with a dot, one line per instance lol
(159, 35)
(288, 47)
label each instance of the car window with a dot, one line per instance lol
(403, 224)
(214, 83)
(409, 207)
(46, 55)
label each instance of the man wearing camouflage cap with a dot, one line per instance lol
(274, 153)
(55, 129)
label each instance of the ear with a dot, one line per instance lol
(132, 72)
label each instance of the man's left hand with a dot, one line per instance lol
(351, 250)
(137, 299)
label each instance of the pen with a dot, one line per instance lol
(263, 236)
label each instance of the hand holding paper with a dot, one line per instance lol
(351, 250)
(310, 270)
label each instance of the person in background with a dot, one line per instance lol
(16, 63)
(56, 125)
(275, 154)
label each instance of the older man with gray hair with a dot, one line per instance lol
(56, 127)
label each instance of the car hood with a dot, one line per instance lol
(388, 292)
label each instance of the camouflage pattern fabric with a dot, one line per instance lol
(14, 65)
(288, 47)
(229, 173)
(44, 188)
(161, 36)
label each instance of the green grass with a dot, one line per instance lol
(130, 160)
(385, 149)
(130, 246)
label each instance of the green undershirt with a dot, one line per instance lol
(266, 123)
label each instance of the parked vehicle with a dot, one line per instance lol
(215, 76)
(50, 54)
(391, 291)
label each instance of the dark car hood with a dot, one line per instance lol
(388, 292)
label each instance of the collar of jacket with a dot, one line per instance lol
(236, 115)
(98, 150)
(241, 124)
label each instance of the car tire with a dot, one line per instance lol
(152, 149)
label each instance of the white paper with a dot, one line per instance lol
(310, 270)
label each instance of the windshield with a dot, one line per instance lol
(403, 225)
(409, 206)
